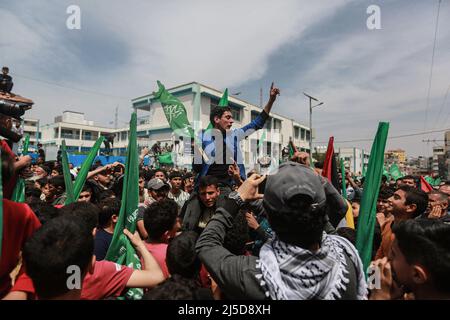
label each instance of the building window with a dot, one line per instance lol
(296, 132)
(302, 132)
(308, 133)
(123, 135)
(277, 124)
(87, 135)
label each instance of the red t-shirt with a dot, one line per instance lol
(158, 251)
(19, 223)
(8, 186)
(108, 280)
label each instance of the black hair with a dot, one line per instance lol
(160, 217)
(347, 233)
(33, 193)
(87, 188)
(318, 165)
(108, 207)
(298, 223)
(427, 242)
(188, 176)
(57, 182)
(175, 174)
(42, 181)
(60, 243)
(417, 197)
(217, 111)
(5, 68)
(181, 257)
(104, 194)
(160, 170)
(175, 288)
(237, 236)
(88, 212)
(386, 192)
(208, 181)
(43, 211)
(46, 169)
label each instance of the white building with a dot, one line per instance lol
(198, 100)
(354, 159)
(79, 133)
(31, 127)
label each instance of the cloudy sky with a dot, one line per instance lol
(320, 47)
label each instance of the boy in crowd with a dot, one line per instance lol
(160, 220)
(406, 203)
(418, 263)
(199, 209)
(176, 193)
(107, 279)
(107, 220)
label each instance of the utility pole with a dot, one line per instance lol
(310, 123)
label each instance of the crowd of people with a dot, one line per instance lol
(218, 232)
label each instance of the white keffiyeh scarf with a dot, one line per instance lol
(292, 273)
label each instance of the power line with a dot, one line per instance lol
(431, 67)
(71, 88)
(442, 107)
(392, 137)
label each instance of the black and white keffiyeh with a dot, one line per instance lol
(292, 273)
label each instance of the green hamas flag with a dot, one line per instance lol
(395, 172)
(367, 212)
(18, 194)
(344, 187)
(165, 158)
(66, 173)
(175, 112)
(121, 251)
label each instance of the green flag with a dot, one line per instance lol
(364, 169)
(85, 168)
(395, 172)
(367, 213)
(262, 139)
(18, 194)
(165, 158)
(344, 187)
(121, 250)
(175, 112)
(26, 143)
(66, 173)
(386, 173)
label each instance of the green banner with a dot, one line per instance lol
(121, 251)
(85, 168)
(66, 173)
(367, 212)
(26, 143)
(174, 111)
(395, 172)
(165, 158)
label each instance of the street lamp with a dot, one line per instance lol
(310, 122)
